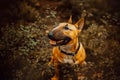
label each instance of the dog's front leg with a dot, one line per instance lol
(56, 75)
(51, 61)
(81, 63)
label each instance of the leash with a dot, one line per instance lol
(72, 53)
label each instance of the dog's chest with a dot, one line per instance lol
(67, 59)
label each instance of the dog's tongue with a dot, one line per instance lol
(52, 42)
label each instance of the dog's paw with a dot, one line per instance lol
(54, 78)
(84, 64)
(49, 64)
(76, 62)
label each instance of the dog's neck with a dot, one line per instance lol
(70, 48)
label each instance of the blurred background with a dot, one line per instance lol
(24, 46)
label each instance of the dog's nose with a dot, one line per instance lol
(50, 35)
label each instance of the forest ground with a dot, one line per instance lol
(25, 50)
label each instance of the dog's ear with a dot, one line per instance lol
(79, 24)
(70, 20)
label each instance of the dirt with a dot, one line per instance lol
(25, 50)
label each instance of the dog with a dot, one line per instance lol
(66, 47)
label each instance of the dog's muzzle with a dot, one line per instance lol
(58, 41)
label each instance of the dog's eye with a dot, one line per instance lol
(66, 28)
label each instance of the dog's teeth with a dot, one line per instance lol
(52, 42)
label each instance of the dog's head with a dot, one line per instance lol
(65, 32)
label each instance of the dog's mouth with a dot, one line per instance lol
(60, 42)
(55, 42)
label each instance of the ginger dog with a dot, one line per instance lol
(67, 49)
